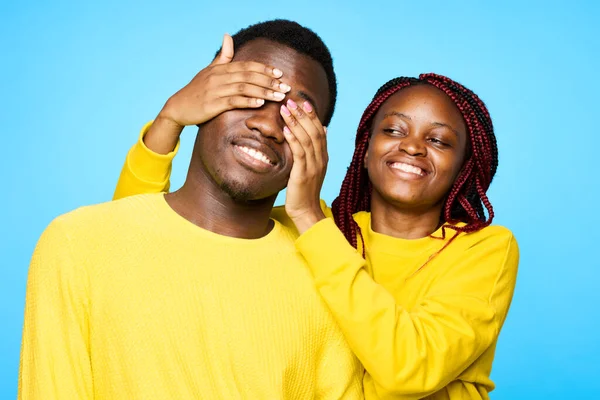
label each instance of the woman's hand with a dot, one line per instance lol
(223, 85)
(306, 137)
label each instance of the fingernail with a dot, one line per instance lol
(286, 88)
(285, 111)
(307, 107)
(277, 72)
(278, 95)
(286, 131)
(292, 104)
(260, 102)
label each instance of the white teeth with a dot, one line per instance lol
(408, 168)
(257, 155)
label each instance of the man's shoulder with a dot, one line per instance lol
(285, 233)
(94, 218)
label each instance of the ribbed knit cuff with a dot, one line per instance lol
(326, 249)
(148, 165)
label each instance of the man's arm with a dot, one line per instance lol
(55, 360)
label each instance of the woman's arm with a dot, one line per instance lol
(411, 353)
(145, 171)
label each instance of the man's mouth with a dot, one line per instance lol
(255, 154)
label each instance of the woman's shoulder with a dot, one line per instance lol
(493, 242)
(490, 233)
(363, 219)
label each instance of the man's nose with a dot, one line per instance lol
(268, 121)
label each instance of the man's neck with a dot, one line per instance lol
(204, 204)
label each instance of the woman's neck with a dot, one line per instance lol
(404, 222)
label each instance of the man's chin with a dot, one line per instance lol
(237, 192)
(242, 193)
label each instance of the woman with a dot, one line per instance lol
(423, 309)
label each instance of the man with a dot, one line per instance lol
(195, 294)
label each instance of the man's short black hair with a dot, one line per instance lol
(299, 38)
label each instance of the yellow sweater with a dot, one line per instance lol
(128, 300)
(431, 333)
(427, 333)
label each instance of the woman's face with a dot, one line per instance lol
(417, 148)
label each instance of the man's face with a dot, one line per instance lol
(243, 151)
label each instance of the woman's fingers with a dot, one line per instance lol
(253, 66)
(248, 90)
(250, 77)
(226, 54)
(217, 106)
(291, 134)
(307, 128)
(306, 178)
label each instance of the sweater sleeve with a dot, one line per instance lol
(412, 353)
(144, 171)
(278, 214)
(55, 359)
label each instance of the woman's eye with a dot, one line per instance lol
(438, 141)
(393, 132)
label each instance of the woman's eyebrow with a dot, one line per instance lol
(447, 126)
(396, 114)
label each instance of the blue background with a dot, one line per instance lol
(79, 80)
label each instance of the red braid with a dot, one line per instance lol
(355, 193)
